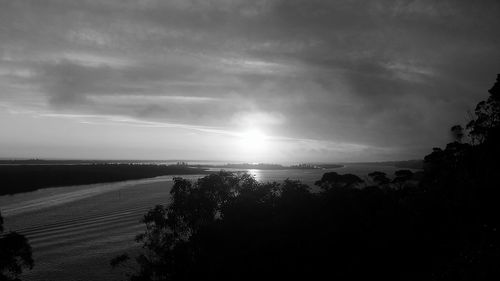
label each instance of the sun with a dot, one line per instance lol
(253, 140)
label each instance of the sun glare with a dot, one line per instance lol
(253, 140)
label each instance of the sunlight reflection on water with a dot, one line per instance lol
(256, 174)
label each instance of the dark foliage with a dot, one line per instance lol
(24, 178)
(441, 224)
(486, 123)
(334, 180)
(15, 254)
(380, 178)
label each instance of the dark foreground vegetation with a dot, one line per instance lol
(24, 178)
(440, 225)
(15, 254)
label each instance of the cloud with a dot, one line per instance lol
(391, 75)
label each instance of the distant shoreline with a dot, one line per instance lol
(20, 178)
(271, 166)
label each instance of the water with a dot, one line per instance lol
(75, 231)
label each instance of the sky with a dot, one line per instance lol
(279, 81)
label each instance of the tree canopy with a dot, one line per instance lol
(15, 254)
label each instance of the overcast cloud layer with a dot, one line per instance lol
(324, 80)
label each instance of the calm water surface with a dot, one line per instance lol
(75, 231)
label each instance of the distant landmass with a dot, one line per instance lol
(408, 164)
(264, 166)
(17, 178)
(78, 161)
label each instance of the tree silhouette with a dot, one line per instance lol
(457, 132)
(487, 120)
(379, 178)
(333, 180)
(15, 254)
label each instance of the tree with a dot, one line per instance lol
(457, 132)
(379, 178)
(402, 176)
(487, 120)
(464, 178)
(15, 254)
(333, 180)
(169, 230)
